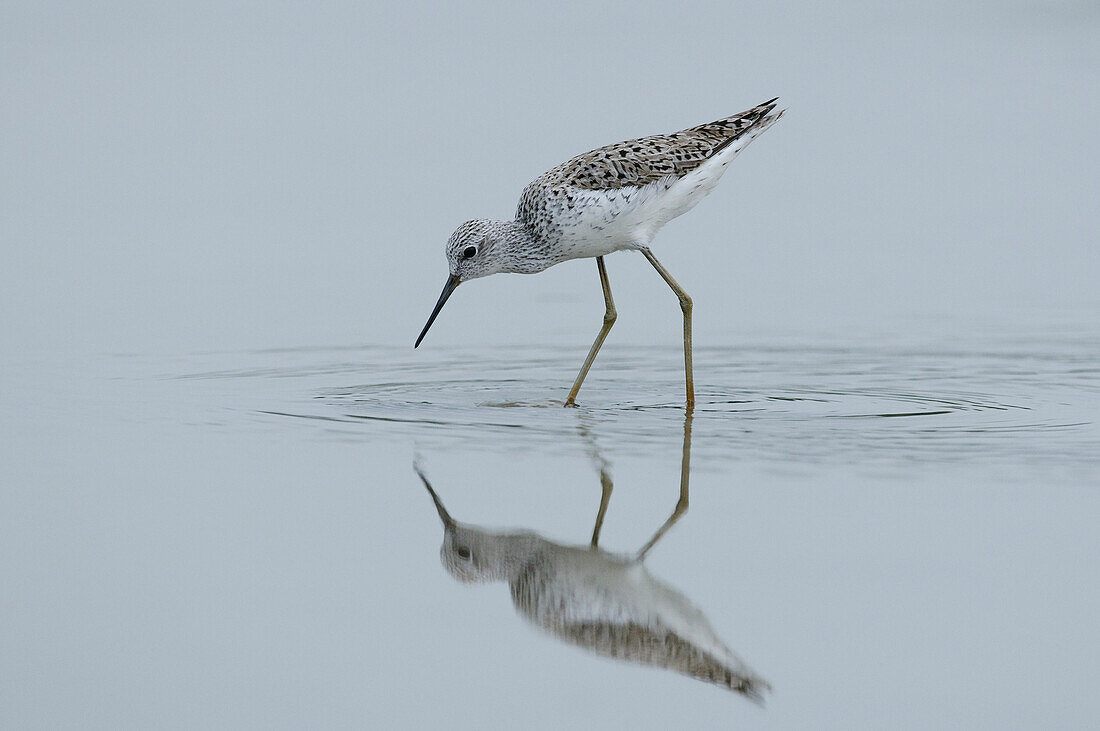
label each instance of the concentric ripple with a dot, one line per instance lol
(874, 406)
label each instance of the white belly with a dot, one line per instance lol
(604, 221)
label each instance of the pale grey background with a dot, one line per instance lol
(223, 175)
(184, 185)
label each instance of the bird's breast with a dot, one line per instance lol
(578, 223)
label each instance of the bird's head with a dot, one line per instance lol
(477, 249)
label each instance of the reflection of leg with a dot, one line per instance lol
(685, 305)
(605, 483)
(609, 317)
(682, 503)
(602, 465)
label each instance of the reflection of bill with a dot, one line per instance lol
(605, 602)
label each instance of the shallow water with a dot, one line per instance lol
(871, 407)
(892, 534)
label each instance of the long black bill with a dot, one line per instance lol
(452, 282)
(448, 521)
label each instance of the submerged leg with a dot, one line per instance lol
(685, 305)
(608, 320)
(682, 503)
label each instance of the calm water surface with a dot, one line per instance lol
(1023, 406)
(892, 534)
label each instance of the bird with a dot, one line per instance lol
(604, 602)
(613, 198)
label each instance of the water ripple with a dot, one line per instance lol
(809, 405)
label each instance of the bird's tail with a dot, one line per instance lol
(743, 127)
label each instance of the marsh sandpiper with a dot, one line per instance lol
(611, 199)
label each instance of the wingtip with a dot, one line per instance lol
(763, 110)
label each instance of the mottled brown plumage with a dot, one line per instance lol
(613, 198)
(649, 159)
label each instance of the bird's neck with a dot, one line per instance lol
(523, 251)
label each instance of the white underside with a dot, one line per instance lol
(605, 221)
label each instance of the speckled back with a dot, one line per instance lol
(649, 159)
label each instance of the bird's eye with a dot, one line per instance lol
(463, 553)
(469, 252)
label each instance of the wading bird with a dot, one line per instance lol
(610, 199)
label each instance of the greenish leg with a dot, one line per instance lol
(608, 320)
(685, 305)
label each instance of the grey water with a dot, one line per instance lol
(892, 534)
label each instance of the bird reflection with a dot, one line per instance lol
(605, 602)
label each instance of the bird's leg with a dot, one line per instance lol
(609, 317)
(605, 497)
(682, 503)
(685, 305)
